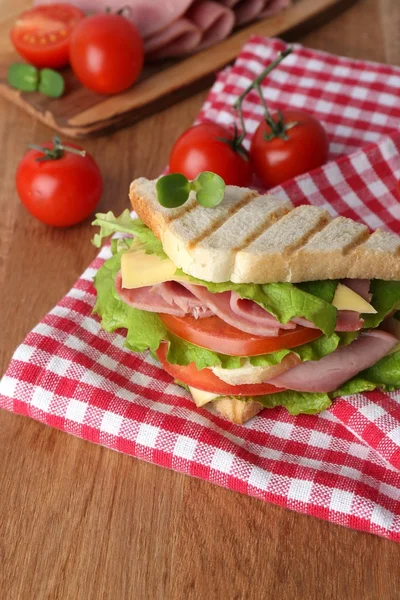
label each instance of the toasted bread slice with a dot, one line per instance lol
(235, 410)
(252, 238)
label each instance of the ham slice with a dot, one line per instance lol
(252, 311)
(220, 305)
(150, 16)
(214, 20)
(175, 294)
(180, 37)
(360, 287)
(330, 372)
(161, 299)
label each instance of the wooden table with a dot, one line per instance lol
(80, 522)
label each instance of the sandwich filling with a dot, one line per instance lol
(295, 345)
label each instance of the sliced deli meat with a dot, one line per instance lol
(161, 299)
(220, 305)
(251, 311)
(180, 37)
(360, 287)
(214, 20)
(330, 372)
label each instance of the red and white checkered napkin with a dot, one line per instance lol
(342, 465)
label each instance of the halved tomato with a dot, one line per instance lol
(207, 381)
(41, 34)
(216, 335)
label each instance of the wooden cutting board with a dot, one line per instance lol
(80, 112)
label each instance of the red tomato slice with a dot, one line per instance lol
(207, 381)
(218, 336)
(41, 34)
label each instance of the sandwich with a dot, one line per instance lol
(253, 303)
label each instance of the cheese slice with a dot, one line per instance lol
(347, 299)
(139, 269)
(201, 397)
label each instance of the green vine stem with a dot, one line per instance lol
(56, 152)
(256, 85)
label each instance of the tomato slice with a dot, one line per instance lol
(41, 34)
(206, 380)
(216, 335)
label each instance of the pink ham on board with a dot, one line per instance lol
(330, 372)
(172, 28)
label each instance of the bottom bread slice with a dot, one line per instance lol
(235, 410)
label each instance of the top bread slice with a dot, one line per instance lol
(253, 238)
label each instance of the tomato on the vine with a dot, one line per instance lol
(41, 34)
(106, 53)
(288, 144)
(211, 147)
(59, 185)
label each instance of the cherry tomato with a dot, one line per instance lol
(61, 191)
(106, 53)
(41, 34)
(277, 160)
(207, 381)
(200, 148)
(216, 335)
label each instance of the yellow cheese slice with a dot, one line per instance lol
(347, 299)
(201, 397)
(139, 269)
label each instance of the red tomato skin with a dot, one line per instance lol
(106, 53)
(216, 335)
(278, 160)
(52, 55)
(207, 381)
(60, 192)
(198, 149)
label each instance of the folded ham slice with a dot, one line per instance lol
(162, 299)
(330, 372)
(214, 20)
(220, 305)
(180, 37)
(253, 312)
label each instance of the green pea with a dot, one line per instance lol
(23, 77)
(51, 83)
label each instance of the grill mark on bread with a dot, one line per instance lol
(300, 243)
(357, 242)
(184, 209)
(247, 198)
(270, 219)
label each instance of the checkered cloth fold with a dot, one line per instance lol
(342, 465)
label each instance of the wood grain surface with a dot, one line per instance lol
(79, 522)
(80, 113)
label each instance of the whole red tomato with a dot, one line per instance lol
(106, 53)
(276, 160)
(202, 148)
(59, 191)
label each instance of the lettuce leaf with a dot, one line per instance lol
(110, 224)
(145, 331)
(283, 300)
(385, 299)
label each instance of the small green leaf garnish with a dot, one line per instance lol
(173, 190)
(23, 77)
(51, 83)
(210, 189)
